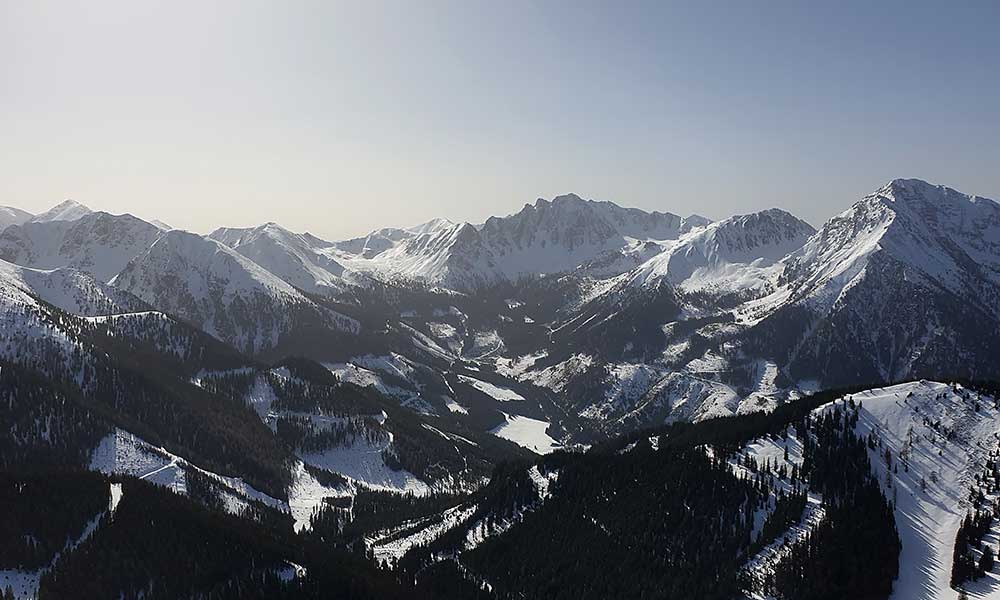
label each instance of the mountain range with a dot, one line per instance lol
(428, 399)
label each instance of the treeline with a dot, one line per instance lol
(973, 558)
(854, 551)
(117, 380)
(626, 520)
(212, 431)
(305, 434)
(970, 536)
(158, 544)
(667, 524)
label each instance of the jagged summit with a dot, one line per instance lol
(936, 233)
(549, 236)
(901, 283)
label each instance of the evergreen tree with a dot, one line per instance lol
(986, 561)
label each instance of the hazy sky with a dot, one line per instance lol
(341, 117)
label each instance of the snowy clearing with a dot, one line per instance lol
(528, 433)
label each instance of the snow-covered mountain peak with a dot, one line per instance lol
(295, 258)
(725, 252)
(68, 210)
(179, 253)
(564, 199)
(71, 290)
(316, 242)
(549, 236)
(916, 194)
(98, 243)
(938, 234)
(225, 293)
(13, 216)
(238, 236)
(431, 226)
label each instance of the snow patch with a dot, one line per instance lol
(526, 432)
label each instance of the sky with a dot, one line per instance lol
(342, 117)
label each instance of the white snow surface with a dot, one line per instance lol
(928, 521)
(205, 282)
(124, 453)
(391, 545)
(97, 243)
(71, 290)
(547, 237)
(556, 376)
(362, 461)
(526, 432)
(930, 497)
(295, 258)
(306, 496)
(12, 216)
(498, 393)
(68, 210)
(728, 255)
(940, 236)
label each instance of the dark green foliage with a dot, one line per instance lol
(306, 435)
(233, 385)
(509, 493)
(322, 397)
(787, 512)
(447, 579)
(163, 545)
(41, 514)
(156, 339)
(219, 434)
(625, 324)
(729, 433)
(599, 535)
(308, 370)
(854, 551)
(970, 535)
(44, 423)
(373, 510)
(986, 561)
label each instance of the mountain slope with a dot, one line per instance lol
(939, 438)
(905, 283)
(292, 257)
(13, 216)
(72, 291)
(729, 254)
(98, 243)
(544, 238)
(69, 210)
(223, 292)
(559, 235)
